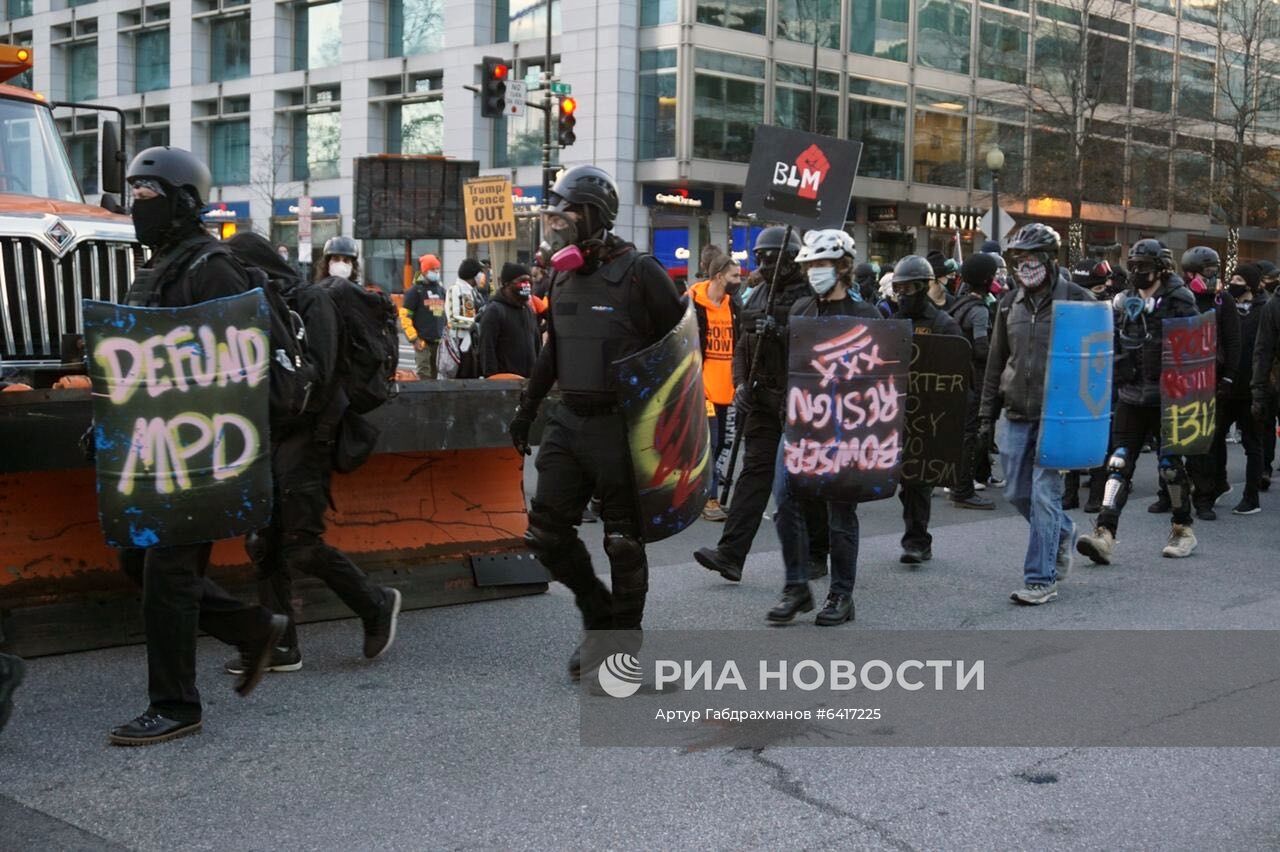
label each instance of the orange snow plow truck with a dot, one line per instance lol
(438, 511)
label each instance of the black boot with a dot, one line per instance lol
(710, 558)
(1097, 488)
(597, 614)
(838, 610)
(795, 600)
(1071, 491)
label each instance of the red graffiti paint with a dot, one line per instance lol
(676, 428)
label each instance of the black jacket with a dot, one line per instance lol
(1140, 341)
(206, 272)
(509, 341)
(1265, 378)
(771, 374)
(934, 321)
(1229, 342)
(810, 306)
(971, 312)
(427, 323)
(1019, 356)
(1250, 316)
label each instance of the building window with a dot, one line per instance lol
(151, 60)
(317, 35)
(810, 20)
(879, 28)
(1057, 52)
(1002, 46)
(517, 140)
(1104, 159)
(656, 133)
(517, 20)
(415, 27)
(1201, 11)
(1149, 175)
(317, 143)
(656, 12)
(1003, 126)
(746, 16)
(82, 70)
(17, 9)
(1168, 7)
(793, 99)
(1195, 88)
(942, 35)
(941, 140)
(229, 49)
(229, 151)
(1108, 69)
(880, 126)
(415, 127)
(1152, 79)
(726, 109)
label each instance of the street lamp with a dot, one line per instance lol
(995, 162)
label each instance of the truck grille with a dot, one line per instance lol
(40, 294)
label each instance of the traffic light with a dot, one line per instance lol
(493, 92)
(564, 131)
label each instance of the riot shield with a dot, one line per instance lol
(663, 401)
(180, 415)
(1188, 384)
(937, 402)
(1075, 417)
(846, 406)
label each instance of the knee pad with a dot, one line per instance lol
(1118, 461)
(548, 535)
(1116, 489)
(627, 559)
(1174, 476)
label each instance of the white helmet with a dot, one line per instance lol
(886, 285)
(830, 244)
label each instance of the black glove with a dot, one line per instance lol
(521, 424)
(767, 326)
(1259, 412)
(742, 400)
(986, 431)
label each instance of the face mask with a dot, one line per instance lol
(524, 290)
(152, 220)
(568, 259)
(284, 255)
(340, 268)
(912, 304)
(822, 279)
(1270, 286)
(1237, 290)
(1031, 273)
(433, 276)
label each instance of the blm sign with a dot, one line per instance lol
(846, 404)
(1188, 384)
(800, 179)
(180, 401)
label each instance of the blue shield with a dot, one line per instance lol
(1075, 421)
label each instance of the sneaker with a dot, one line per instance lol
(973, 501)
(379, 635)
(256, 658)
(1097, 545)
(1206, 513)
(838, 610)
(151, 728)
(1162, 506)
(979, 486)
(713, 512)
(912, 555)
(1246, 507)
(1181, 542)
(1034, 595)
(995, 482)
(1223, 490)
(710, 558)
(281, 660)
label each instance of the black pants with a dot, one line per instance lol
(968, 473)
(762, 432)
(1237, 411)
(580, 456)
(916, 508)
(177, 600)
(1131, 426)
(1268, 437)
(294, 540)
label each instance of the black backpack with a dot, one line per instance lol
(370, 343)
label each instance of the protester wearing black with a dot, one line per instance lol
(188, 266)
(759, 407)
(301, 467)
(945, 271)
(912, 277)
(972, 312)
(866, 279)
(1234, 407)
(608, 301)
(1154, 294)
(1265, 380)
(509, 340)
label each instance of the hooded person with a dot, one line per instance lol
(509, 340)
(462, 311)
(866, 277)
(422, 316)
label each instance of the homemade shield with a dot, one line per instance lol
(662, 398)
(1188, 384)
(180, 401)
(1075, 418)
(846, 406)
(937, 402)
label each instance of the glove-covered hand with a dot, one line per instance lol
(986, 432)
(742, 400)
(521, 424)
(767, 326)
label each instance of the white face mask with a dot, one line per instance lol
(340, 268)
(433, 276)
(284, 255)
(822, 279)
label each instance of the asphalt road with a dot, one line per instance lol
(466, 735)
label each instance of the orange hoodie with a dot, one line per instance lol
(717, 355)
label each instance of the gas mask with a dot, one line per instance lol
(341, 268)
(1210, 276)
(822, 279)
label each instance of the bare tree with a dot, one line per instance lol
(1081, 63)
(1248, 103)
(271, 169)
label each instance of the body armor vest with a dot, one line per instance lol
(594, 327)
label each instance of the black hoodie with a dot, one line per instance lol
(509, 341)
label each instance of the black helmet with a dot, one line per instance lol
(864, 270)
(1148, 251)
(1198, 258)
(1036, 237)
(586, 186)
(1267, 268)
(770, 239)
(343, 246)
(913, 267)
(173, 166)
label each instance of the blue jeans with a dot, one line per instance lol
(1036, 492)
(793, 534)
